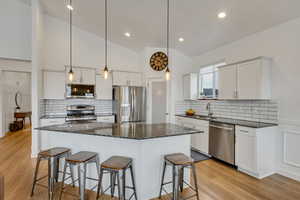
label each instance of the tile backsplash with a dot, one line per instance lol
(58, 106)
(252, 110)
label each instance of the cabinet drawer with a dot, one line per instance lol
(108, 119)
(245, 131)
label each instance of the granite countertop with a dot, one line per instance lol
(138, 131)
(251, 124)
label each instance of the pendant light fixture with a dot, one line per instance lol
(168, 73)
(71, 73)
(105, 68)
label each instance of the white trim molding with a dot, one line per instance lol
(285, 150)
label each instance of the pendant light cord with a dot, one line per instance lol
(105, 33)
(71, 36)
(168, 27)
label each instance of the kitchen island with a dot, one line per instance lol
(145, 143)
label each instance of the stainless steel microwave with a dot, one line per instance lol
(80, 91)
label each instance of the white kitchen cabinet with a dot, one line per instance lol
(52, 121)
(254, 80)
(121, 78)
(199, 141)
(255, 150)
(227, 83)
(106, 119)
(54, 85)
(85, 76)
(245, 80)
(103, 87)
(190, 86)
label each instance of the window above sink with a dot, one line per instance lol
(208, 81)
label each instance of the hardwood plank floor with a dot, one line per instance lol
(216, 180)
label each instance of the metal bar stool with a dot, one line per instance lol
(81, 159)
(53, 157)
(116, 166)
(179, 162)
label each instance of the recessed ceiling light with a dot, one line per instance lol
(127, 34)
(70, 7)
(222, 15)
(181, 39)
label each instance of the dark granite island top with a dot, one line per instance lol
(137, 131)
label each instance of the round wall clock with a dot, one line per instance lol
(159, 61)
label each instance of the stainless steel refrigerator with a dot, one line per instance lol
(129, 103)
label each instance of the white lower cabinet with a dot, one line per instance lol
(52, 121)
(199, 141)
(255, 150)
(106, 119)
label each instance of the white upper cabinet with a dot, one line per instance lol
(190, 86)
(227, 82)
(121, 78)
(54, 85)
(103, 87)
(85, 76)
(254, 79)
(246, 80)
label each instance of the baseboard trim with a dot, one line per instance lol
(289, 175)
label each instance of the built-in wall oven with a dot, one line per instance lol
(222, 142)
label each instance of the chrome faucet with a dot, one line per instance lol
(208, 108)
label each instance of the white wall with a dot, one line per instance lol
(179, 65)
(37, 56)
(282, 43)
(88, 49)
(15, 34)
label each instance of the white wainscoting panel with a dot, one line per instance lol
(291, 148)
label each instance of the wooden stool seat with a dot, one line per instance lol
(81, 157)
(54, 152)
(116, 163)
(179, 159)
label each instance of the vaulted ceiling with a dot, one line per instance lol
(194, 20)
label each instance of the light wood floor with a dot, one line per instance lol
(216, 181)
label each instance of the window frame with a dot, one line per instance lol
(214, 72)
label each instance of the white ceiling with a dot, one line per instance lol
(194, 20)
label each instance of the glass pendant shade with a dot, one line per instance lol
(168, 74)
(71, 75)
(105, 72)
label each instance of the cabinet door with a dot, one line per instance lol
(249, 80)
(54, 85)
(103, 87)
(120, 78)
(246, 157)
(204, 140)
(227, 82)
(135, 79)
(186, 87)
(88, 76)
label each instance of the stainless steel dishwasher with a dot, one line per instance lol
(222, 142)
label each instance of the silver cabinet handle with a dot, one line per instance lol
(221, 127)
(243, 131)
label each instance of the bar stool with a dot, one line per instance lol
(81, 160)
(114, 166)
(179, 162)
(53, 156)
